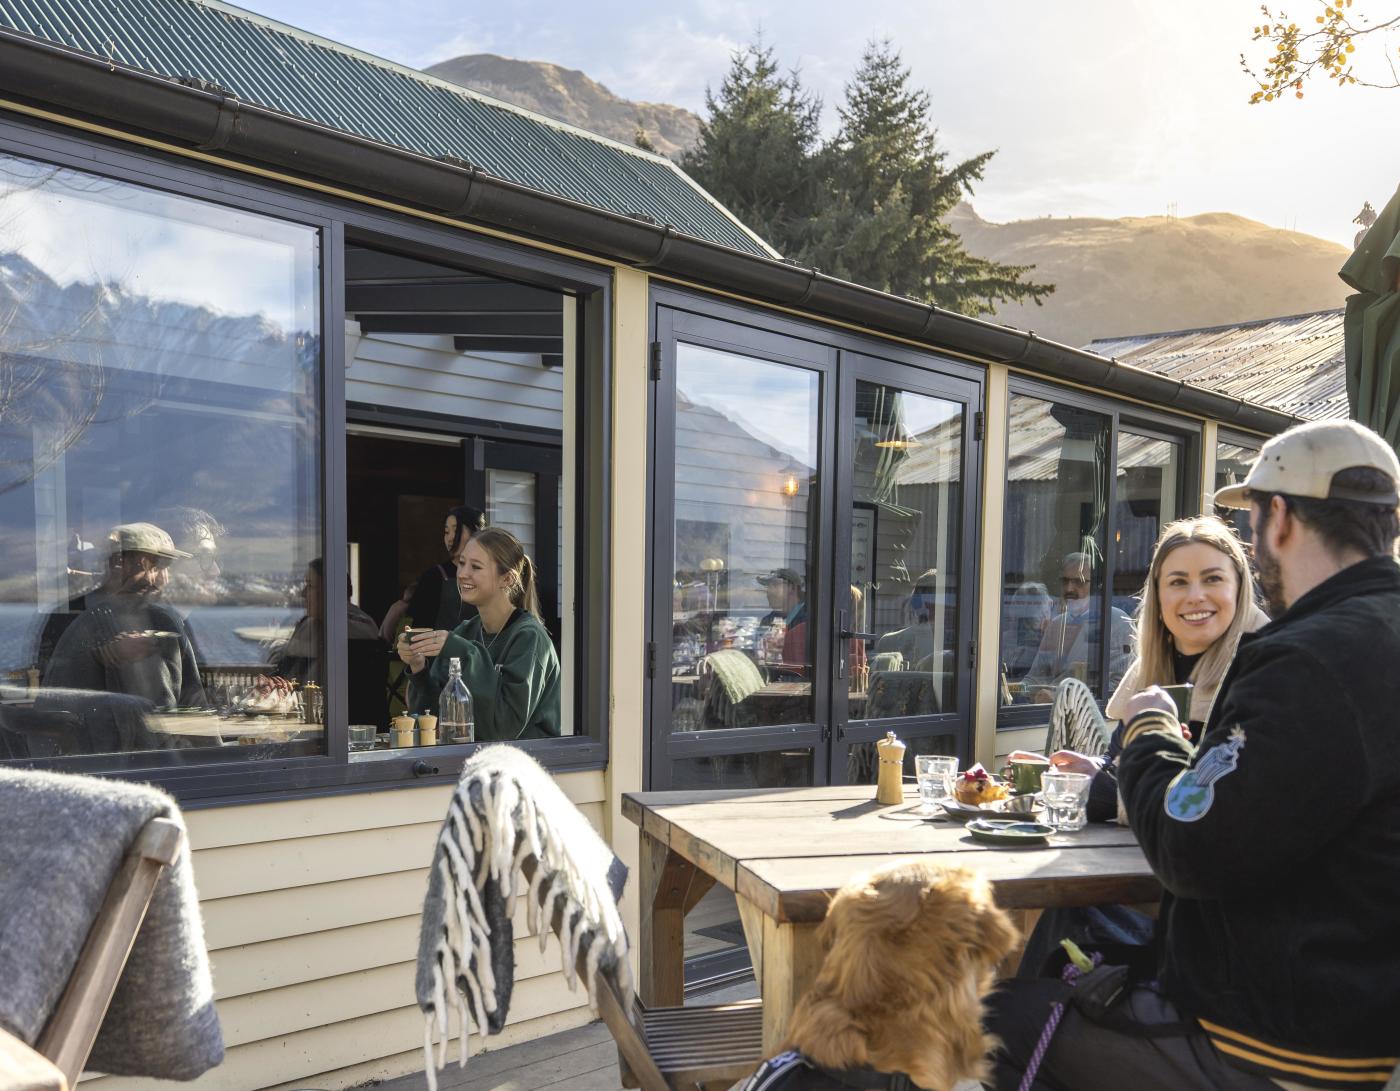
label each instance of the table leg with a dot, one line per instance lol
(1025, 922)
(786, 958)
(670, 886)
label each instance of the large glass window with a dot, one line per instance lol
(1053, 560)
(160, 498)
(746, 458)
(1086, 500)
(905, 531)
(1147, 496)
(1232, 465)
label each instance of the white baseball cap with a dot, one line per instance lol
(1303, 461)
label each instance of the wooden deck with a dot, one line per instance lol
(584, 1059)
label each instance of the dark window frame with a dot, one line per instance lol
(197, 779)
(752, 330)
(1124, 416)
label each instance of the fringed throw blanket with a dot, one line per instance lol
(508, 817)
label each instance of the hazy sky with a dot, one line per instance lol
(1096, 107)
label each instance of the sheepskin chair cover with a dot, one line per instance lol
(506, 812)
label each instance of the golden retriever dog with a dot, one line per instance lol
(911, 950)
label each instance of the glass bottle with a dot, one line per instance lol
(456, 719)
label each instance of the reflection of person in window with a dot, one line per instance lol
(1025, 613)
(299, 660)
(787, 610)
(197, 578)
(125, 640)
(1070, 646)
(508, 659)
(795, 644)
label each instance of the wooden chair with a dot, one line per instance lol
(21, 1069)
(693, 1048)
(69, 1034)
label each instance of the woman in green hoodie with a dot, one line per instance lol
(508, 659)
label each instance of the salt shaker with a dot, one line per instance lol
(889, 785)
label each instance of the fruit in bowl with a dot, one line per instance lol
(977, 786)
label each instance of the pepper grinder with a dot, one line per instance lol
(889, 786)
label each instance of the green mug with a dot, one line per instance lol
(1025, 776)
(1181, 697)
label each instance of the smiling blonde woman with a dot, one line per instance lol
(1197, 602)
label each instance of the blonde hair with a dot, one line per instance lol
(509, 555)
(1154, 639)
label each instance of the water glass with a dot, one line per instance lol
(362, 736)
(1066, 800)
(935, 773)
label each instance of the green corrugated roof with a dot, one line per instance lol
(296, 73)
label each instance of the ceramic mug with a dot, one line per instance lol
(1181, 697)
(1025, 776)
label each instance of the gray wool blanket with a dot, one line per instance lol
(507, 817)
(64, 838)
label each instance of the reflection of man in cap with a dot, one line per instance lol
(785, 600)
(125, 640)
(1069, 646)
(787, 611)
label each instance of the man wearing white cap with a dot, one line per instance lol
(1277, 839)
(125, 641)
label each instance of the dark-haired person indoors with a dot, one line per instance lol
(508, 659)
(1277, 836)
(435, 603)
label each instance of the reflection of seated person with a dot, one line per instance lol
(125, 640)
(1069, 648)
(795, 646)
(787, 610)
(912, 647)
(1025, 613)
(299, 659)
(124, 654)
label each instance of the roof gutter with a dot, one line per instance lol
(207, 118)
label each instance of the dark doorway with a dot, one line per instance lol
(399, 490)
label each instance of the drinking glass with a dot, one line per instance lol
(935, 773)
(1066, 800)
(362, 736)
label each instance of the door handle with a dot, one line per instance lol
(846, 634)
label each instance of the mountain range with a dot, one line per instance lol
(1137, 274)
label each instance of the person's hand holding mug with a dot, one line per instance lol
(1071, 761)
(417, 646)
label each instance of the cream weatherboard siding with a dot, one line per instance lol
(311, 913)
(426, 373)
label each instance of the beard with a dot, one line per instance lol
(1270, 574)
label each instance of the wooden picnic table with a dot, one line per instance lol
(784, 852)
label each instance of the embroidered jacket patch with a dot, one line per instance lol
(1192, 791)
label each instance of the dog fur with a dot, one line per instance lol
(911, 950)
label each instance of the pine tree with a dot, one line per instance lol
(755, 151)
(887, 190)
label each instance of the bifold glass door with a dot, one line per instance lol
(811, 586)
(902, 597)
(743, 486)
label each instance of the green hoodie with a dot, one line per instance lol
(513, 677)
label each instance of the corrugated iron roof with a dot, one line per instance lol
(1295, 364)
(288, 70)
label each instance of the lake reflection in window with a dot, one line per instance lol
(160, 496)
